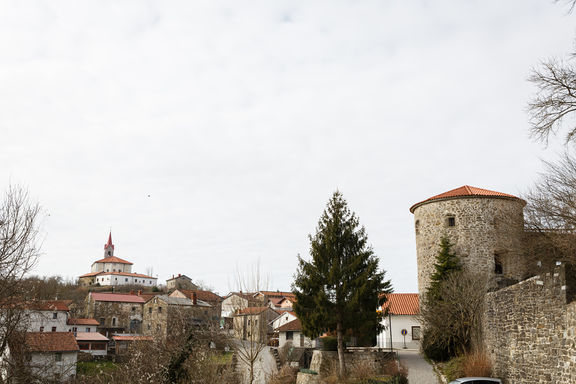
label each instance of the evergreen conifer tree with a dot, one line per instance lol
(446, 263)
(340, 289)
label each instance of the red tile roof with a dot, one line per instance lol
(278, 294)
(51, 342)
(252, 311)
(294, 325)
(207, 296)
(402, 303)
(90, 336)
(117, 297)
(464, 191)
(48, 305)
(113, 259)
(91, 274)
(82, 322)
(132, 338)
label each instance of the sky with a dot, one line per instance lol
(209, 135)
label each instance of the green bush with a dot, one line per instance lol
(433, 350)
(453, 368)
(329, 343)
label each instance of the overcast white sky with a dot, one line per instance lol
(210, 134)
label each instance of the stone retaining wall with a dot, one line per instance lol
(530, 329)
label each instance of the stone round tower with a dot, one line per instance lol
(486, 228)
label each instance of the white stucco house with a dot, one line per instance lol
(50, 356)
(283, 318)
(45, 316)
(292, 332)
(402, 328)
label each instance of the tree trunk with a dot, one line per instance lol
(341, 370)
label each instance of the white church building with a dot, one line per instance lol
(112, 270)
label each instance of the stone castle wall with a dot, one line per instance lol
(484, 227)
(530, 329)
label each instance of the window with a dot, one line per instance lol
(150, 310)
(113, 321)
(84, 346)
(98, 346)
(87, 329)
(415, 333)
(53, 329)
(102, 321)
(58, 356)
(74, 329)
(55, 315)
(417, 226)
(133, 309)
(41, 329)
(498, 268)
(451, 221)
(125, 279)
(159, 309)
(116, 278)
(289, 335)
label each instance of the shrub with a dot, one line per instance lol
(329, 343)
(453, 368)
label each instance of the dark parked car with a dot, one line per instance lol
(476, 380)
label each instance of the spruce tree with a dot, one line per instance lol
(339, 289)
(446, 263)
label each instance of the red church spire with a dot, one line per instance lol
(109, 247)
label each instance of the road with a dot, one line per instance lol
(419, 371)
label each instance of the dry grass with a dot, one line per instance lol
(286, 375)
(477, 364)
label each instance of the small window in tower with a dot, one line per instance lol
(451, 221)
(498, 268)
(109, 253)
(417, 226)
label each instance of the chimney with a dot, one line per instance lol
(194, 298)
(178, 275)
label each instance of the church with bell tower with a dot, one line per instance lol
(113, 271)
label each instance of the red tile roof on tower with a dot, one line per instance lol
(109, 243)
(294, 325)
(402, 303)
(464, 191)
(51, 342)
(117, 297)
(113, 259)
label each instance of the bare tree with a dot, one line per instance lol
(250, 324)
(455, 322)
(554, 104)
(19, 251)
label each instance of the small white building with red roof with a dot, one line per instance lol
(402, 328)
(112, 271)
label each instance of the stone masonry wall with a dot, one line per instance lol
(484, 226)
(530, 329)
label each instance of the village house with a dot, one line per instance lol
(276, 299)
(51, 355)
(283, 318)
(114, 271)
(180, 282)
(166, 316)
(115, 312)
(82, 325)
(45, 316)
(123, 342)
(254, 324)
(291, 332)
(211, 298)
(93, 343)
(234, 302)
(402, 328)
